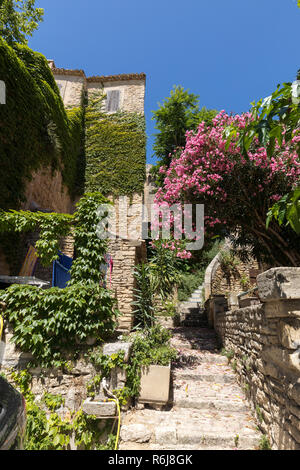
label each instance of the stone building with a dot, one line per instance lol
(124, 92)
(47, 191)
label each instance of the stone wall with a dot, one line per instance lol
(132, 92)
(234, 279)
(47, 191)
(229, 276)
(126, 255)
(71, 89)
(265, 340)
(71, 383)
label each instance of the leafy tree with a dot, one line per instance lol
(237, 187)
(18, 20)
(276, 122)
(178, 113)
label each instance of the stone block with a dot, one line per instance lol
(80, 367)
(282, 308)
(100, 409)
(165, 435)
(282, 358)
(279, 284)
(135, 433)
(113, 348)
(294, 392)
(155, 384)
(289, 334)
(248, 302)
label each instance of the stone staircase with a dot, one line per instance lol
(207, 409)
(192, 312)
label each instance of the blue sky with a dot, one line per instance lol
(227, 52)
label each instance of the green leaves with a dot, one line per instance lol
(19, 19)
(52, 228)
(177, 114)
(287, 211)
(115, 150)
(43, 319)
(150, 346)
(144, 311)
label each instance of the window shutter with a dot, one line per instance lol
(112, 100)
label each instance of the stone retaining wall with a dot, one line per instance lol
(69, 382)
(126, 255)
(265, 340)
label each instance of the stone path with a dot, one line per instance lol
(192, 310)
(207, 408)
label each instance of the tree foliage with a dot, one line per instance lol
(18, 20)
(35, 129)
(177, 114)
(275, 122)
(236, 187)
(49, 322)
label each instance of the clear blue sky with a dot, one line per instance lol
(227, 52)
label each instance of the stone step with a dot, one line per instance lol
(204, 428)
(191, 304)
(192, 310)
(200, 395)
(193, 315)
(208, 404)
(211, 378)
(207, 408)
(150, 446)
(199, 447)
(204, 440)
(190, 322)
(204, 358)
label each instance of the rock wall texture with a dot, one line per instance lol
(71, 89)
(47, 191)
(265, 340)
(235, 279)
(132, 92)
(70, 382)
(227, 274)
(126, 255)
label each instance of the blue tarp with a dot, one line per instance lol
(61, 271)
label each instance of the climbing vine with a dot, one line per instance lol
(35, 129)
(115, 150)
(50, 322)
(47, 430)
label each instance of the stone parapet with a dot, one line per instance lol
(265, 340)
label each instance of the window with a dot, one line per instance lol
(112, 101)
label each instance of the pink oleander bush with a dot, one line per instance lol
(236, 188)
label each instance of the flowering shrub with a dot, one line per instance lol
(236, 187)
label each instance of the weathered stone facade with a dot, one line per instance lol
(228, 276)
(126, 246)
(235, 280)
(70, 382)
(47, 191)
(265, 340)
(126, 255)
(73, 84)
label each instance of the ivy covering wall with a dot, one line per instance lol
(115, 150)
(35, 129)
